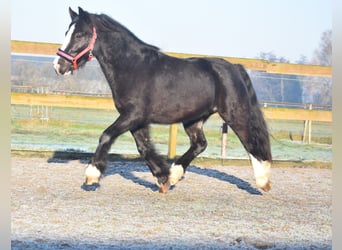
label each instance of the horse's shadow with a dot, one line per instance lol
(127, 170)
(126, 167)
(128, 173)
(213, 173)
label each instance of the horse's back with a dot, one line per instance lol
(181, 88)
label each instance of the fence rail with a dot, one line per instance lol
(93, 102)
(251, 64)
(56, 100)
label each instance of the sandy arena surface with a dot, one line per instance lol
(216, 207)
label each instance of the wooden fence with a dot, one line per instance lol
(107, 103)
(93, 102)
(251, 64)
(58, 100)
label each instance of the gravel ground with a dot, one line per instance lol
(215, 207)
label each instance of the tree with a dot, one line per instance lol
(318, 90)
(271, 57)
(323, 54)
(277, 87)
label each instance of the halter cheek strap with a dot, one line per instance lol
(74, 59)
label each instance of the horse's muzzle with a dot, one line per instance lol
(61, 67)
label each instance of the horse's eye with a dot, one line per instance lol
(79, 35)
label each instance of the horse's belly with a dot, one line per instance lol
(182, 111)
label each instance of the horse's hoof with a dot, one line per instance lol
(164, 187)
(91, 187)
(267, 186)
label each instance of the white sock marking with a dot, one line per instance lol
(176, 173)
(262, 171)
(92, 172)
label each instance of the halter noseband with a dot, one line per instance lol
(74, 59)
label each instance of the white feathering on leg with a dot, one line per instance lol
(262, 171)
(92, 171)
(176, 173)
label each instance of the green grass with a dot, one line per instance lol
(79, 130)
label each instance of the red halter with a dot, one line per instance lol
(74, 59)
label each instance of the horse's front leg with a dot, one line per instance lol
(98, 163)
(155, 162)
(198, 144)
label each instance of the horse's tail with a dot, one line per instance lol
(247, 81)
(257, 121)
(238, 105)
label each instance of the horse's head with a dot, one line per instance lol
(78, 44)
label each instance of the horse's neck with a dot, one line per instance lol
(120, 55)
(114, 65)
(116, 54)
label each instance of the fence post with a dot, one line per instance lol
(172, 140)
(310, 123)
(224, 140)
(304, 130)
(307, 126)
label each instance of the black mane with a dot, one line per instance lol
(107, 24)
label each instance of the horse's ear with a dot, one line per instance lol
(83, 15)
(80, 11)
(72, 13)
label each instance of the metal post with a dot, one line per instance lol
(224, 140)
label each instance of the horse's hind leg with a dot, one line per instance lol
(198, 145)
(155, 162)
(252, 132)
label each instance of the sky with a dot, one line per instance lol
(233, 28)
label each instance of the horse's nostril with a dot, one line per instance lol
(57, 66)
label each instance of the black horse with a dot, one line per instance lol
(149, 86)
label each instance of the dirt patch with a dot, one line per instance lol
(213, 207)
